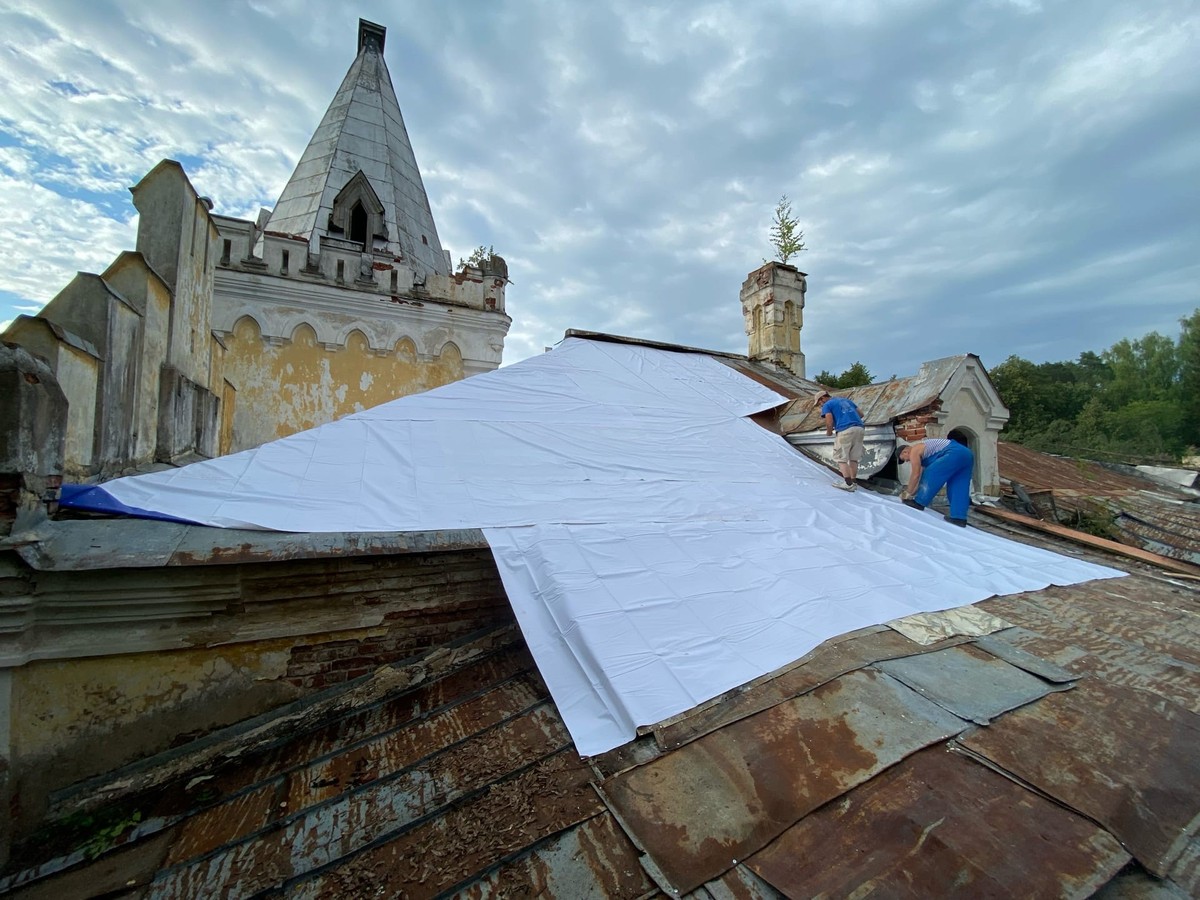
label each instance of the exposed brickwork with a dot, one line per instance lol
(431, 599)
(912, 427)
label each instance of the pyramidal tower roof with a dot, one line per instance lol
(385, 208)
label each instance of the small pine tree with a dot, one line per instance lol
(786, 237)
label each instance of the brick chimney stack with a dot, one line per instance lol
(772, 306)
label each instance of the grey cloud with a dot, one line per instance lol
(986, 176)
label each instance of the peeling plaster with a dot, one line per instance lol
(300, 384)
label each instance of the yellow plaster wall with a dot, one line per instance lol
(72, 719)
(58, 703)
(301, 384)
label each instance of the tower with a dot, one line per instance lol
(357, 182)
(773, 310)
(342, 297)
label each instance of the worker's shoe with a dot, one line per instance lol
(846, 485)
(961, 523)
(913, 503)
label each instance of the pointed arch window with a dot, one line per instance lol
(358, 224)
(357, 212)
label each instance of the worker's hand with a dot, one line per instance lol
(828, 431)
(905, 495)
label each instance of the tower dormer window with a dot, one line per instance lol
(358, 224)
(357, 212)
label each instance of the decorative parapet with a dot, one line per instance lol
(345, 264)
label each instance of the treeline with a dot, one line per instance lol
(1137, 401)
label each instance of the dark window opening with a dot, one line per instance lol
(967, 438)
(283, 264)
(226, 249)
(395, 281)
(358, 224)
(341, 270)
(425, 240)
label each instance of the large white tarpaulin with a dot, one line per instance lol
(658, 547)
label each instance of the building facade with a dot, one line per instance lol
(218, 334)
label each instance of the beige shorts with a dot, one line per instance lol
(848, 445)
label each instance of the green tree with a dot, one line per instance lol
(478, 257)
(1188, 355)
(855, 376)
(1137, 400)
(1142, 369)
(786, 236)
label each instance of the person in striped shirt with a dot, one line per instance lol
(935, 462)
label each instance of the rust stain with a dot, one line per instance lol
(726, 795)
(940, 825)
(1080, 748)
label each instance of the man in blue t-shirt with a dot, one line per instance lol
(842, 416)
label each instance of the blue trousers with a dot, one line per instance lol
(951, 467)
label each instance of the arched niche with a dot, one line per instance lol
(406, 350)
(247, 330)
(304, 335)
(357, 342)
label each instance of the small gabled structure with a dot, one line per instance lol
(951, 397)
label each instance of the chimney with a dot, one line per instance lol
(772, 307)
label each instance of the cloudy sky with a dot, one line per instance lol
(985, 176)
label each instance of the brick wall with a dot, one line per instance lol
(446, 597)
(912, 427)
(420, 600)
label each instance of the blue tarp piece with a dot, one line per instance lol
(93, 498)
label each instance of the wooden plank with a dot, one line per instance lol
(1088, 540)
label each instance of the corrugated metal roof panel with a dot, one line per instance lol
(723, 797)
(1041, 471)
(880, 403)
(940, 825)
(447, 851)
(1149, 515)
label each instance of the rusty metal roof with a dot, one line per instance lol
(883, 402)
(1146, 513)
(880, 403)
(1040, 760)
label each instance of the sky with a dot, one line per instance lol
(972, 176)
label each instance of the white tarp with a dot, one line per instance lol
(658, 547)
